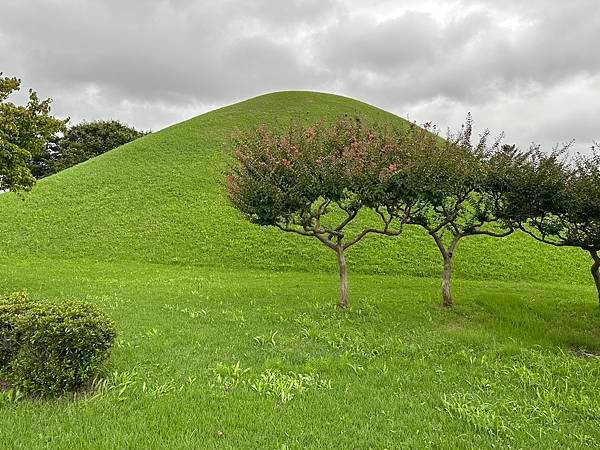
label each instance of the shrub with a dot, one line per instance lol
(51, 348)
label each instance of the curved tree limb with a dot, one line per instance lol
(544, 239)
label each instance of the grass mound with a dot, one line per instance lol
(160, 199)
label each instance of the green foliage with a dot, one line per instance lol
(229, 376)
(404, 175)
(90, 139)
(404, 373)
(557, 201)
(581, 217)
(538, 192)
(44, 163)
(285, 386)
(284, 178)
(10, 396)
(24, 131)
(459, 186)
(455, 188)
(80, 143)
(51, 348)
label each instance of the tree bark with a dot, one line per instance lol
(595, 269)
(341, 259)
(447, 274)
(447, 254)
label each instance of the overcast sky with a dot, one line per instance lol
(528, 68)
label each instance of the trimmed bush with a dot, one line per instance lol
(47, 349)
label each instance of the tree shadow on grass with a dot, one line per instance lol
(566, 317)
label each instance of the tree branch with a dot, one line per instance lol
(543, 238)
(439, 243)
(350, 218)
(371, 231)
(296, 231)
(454, 243)
(491, 233)
(326, 241)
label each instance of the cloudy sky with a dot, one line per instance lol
(528, 68)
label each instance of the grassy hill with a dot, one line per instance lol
(160, 199)
(227, 333)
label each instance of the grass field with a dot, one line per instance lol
(228, 336)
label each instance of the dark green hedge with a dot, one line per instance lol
(47, 349)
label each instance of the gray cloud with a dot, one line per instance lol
(475, 58)
(529, 68)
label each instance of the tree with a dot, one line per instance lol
(24, 130)
(314, 182)
(559, 203)
(457, 189)
(80, 143)
(582, 219)
(44, 163)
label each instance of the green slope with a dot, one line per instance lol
(160, 199)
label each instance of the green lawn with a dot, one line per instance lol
(396, 370)
(228, 335)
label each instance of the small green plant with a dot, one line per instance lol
(119, 382)
(285, 386)
(229, 376)
(10, 396)
(481, 416)
(51, 348)
(262, 339)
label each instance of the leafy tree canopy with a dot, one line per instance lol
(24, 131)
(557, 201)
(80, 143)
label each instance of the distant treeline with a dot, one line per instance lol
(79, 143)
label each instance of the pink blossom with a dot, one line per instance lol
(389, 170)
(233, 187)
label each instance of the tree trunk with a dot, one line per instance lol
(341, 259)
(446, 292)
(447, 273)
(595, 269)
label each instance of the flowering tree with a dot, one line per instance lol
(457, 189)
(559, 203)
(314, 182)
